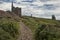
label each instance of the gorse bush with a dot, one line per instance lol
(47, 32)
(38, 33)
(43, 29)
(9, 30)
(5, 35)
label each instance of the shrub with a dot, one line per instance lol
(42, 33)
(38, 33)
(5, 35)
(10, 29)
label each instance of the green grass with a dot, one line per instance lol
(5, 35)
(48, 32)
(33, 23)
(8, 29)
(52, 27)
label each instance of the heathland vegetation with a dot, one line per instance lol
(43, 29)
(8, 29)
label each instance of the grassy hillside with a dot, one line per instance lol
(34, 23)
(8, 29)
(9, 25)
(43, 29)
(9, 15)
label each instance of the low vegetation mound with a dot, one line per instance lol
(9, 15)
(43, 29)
(8, 29)
(34, 23)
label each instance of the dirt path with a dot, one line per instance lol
(26, 33)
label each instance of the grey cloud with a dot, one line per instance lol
(28, 1)
(45, 6)
(48, 0)
(1, 2)
(7, 0)
(49, 7)
(44, 0)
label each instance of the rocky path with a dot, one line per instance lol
(26, 33)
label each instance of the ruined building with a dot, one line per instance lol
(16, 10)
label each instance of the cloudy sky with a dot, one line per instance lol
(38, 8)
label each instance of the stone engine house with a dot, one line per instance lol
(16, 10)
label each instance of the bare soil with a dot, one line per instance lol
(26, 33)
